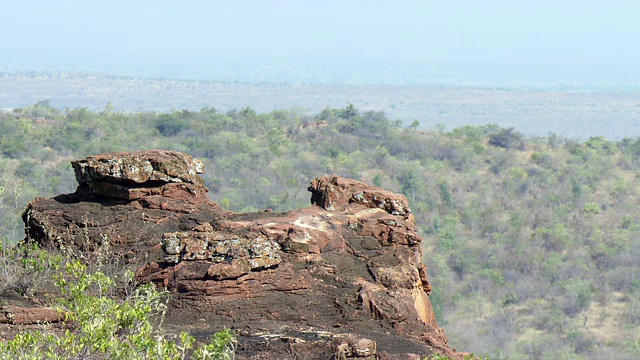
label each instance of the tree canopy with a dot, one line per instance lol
(531, 242)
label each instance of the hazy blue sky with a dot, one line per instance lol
(592, 40)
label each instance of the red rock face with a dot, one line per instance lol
(128, 199)
(342, 278)
(16, 315)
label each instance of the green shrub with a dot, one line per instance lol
(25, 266)
(591, 208)
(508, 139)
(100, 326)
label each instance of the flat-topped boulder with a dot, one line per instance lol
(119, 196)
(139, 167)
(141, 175)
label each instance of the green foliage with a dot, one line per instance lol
(220, 347)
(437, 357)
(578, 296)
(506, 232)
(508, 139)
(541, 158)
(446, 231)
(445, 195)
(599, 143)
(25, 266)
(168, 126)
(107, 328)
(377, 180)
(591, 208)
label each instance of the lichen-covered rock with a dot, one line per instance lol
(232, 256)
(360, 349)
(336, 193)
(127, 199)
(139, 167)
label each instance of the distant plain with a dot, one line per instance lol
(572, 114)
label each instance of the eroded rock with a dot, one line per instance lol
(17, 315)
(361, 349)
(127, 200)
(139, 167)
(232, 256)
(293, 285)
(336, 193)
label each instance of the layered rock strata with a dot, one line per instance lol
(342, 278)
(126, 200)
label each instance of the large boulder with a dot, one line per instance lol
(337, 193)
(139, 167)
(343, 278)
(127, 200)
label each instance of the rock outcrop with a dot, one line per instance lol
(342, 278)
(17, 315)
(126, 200)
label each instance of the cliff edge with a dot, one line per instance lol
(340, 279)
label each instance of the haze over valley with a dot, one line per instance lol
(573, 114)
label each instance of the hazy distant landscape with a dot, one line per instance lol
(574, 114)
(538, 66)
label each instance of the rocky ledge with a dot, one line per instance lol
(340, 279)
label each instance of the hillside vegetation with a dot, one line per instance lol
(532, 243)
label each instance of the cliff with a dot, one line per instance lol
(342, 278)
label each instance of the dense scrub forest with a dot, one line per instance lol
(533, 244)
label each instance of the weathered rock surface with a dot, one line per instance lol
(128, 200)
(17, 315)
(342, 278)
(365, 349)
(139, 167)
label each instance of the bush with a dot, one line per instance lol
(99, 326)
(591, 208)
(508, 139)
(25, 266)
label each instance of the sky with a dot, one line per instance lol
(490, 41)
